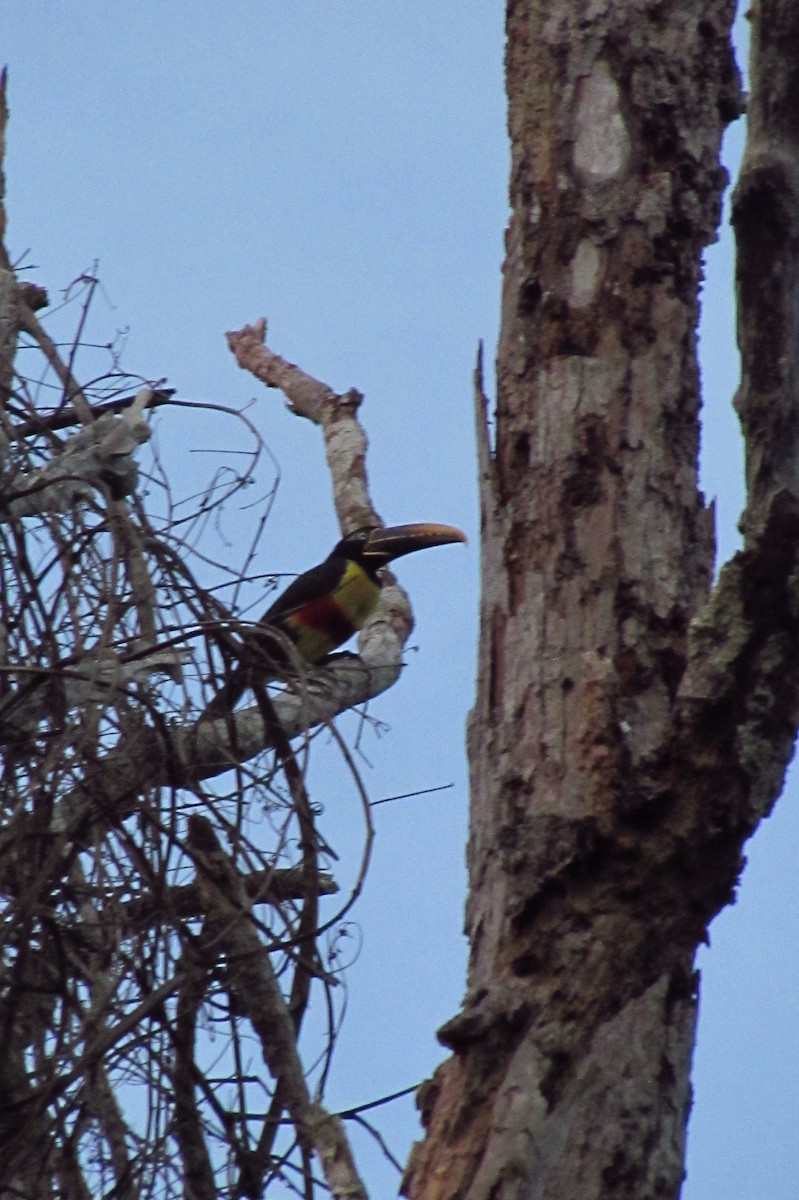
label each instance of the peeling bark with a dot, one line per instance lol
(631, 725)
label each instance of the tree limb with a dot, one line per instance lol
(63, 418)
(345, 438)
(765, 216)
(740, 691)
(99, 456)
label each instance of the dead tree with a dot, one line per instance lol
(633, 719)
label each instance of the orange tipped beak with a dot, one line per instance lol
(396, 540)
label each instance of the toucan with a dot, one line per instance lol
(325, 606)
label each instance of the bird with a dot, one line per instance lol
(325, 606)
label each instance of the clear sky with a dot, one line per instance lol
(341, 168)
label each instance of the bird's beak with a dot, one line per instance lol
(396, 540)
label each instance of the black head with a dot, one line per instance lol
(353, 546)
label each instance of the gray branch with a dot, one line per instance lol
(99, 456)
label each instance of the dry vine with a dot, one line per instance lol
(159, 876)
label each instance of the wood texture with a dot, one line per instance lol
(596, 854)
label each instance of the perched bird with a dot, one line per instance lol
(325, 606)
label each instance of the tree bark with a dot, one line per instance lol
(631, 725)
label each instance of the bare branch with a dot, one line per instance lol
(344, 681)
(193, 970)
(345, 439)
(73, 392)
(765, 216)
(99, 456)
(63, 418)
(4, 263)
(270, 885)
(740, 690)
(9, 293)
(105, 985)
(258, 989)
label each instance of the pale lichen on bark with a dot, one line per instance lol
(601, 139)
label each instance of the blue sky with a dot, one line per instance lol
(341, 168)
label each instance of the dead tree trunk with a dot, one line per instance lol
(631, 724)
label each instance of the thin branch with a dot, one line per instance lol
(73, 392)
(63, 418)
(193, 971)
(378, 1137)
(270, 885)
(257, 987)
